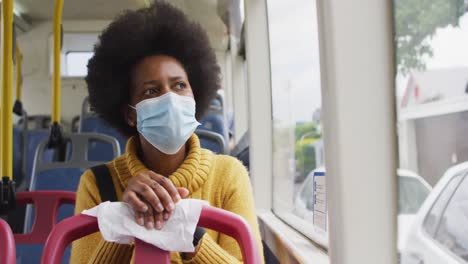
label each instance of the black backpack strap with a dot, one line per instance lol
(104, 183)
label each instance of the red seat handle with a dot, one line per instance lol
(213, 218)
(44, 201)
(7, 244)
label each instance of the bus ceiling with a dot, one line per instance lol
(214, 15)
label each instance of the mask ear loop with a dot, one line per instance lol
(134, 108)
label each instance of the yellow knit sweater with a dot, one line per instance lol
(219, 179)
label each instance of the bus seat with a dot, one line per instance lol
(211, 217)
(29, 246)
(34, 137)
(96, 125)
(65, 175)
(212, 141)
(7, 244)
(20, 168)
(244, 157)
(89, 122)
(75, 125)
(54, 180)
(17, 155)
(20, 144)
(217, 104)
(242, 150)
(37, 122)
(214, 123)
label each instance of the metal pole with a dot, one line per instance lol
(56, 92)
(7, 80)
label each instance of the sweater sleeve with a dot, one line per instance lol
(237, 198)
(93, 248)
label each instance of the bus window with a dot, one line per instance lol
(77, 49)
(76, 63)
(296, 100)
(432, 110)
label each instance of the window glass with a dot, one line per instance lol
(296, 100)
(412, 193)
(77, 63)
(433, 217)
(431, 40)
(453, 229)
(307, 193)
(77, 49)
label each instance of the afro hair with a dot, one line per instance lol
(160, 29)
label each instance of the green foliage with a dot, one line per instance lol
(309, 129)
(415, 22)
(306, 134)
(305, 156)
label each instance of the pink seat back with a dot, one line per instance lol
(46, 204)
(7, 244)
(213, 218)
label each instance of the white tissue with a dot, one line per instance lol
(117, 224)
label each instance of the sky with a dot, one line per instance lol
(295, 60)
(295, 57)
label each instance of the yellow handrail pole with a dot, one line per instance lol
(55, 136)
(7, 89)
(56, 92)
(19, 73)
(1, 134)
(18, 106)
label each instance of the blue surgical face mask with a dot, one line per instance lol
(167, 121)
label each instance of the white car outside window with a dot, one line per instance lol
(413, 190)
(439, 233)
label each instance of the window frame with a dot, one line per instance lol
(347, 58)
(299, 223)
(259, 87)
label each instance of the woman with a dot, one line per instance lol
(152, 74)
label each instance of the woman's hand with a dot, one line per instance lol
(153, 198)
